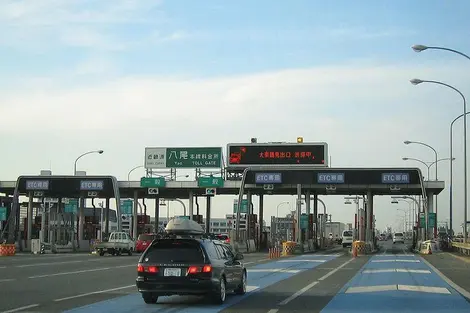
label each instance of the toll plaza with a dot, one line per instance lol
(260, 169)
(302, 169)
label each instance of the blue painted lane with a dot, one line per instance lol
(259, 277)
(397, 286)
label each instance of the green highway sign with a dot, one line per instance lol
(3, 213)
(190, 157)
(244, 206)
(183, 217)
(304, 221)
(208, 182)
(431, 220)
(127, 206)
(71, 206)
(152, 182)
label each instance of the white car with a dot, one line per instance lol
(347, 238)
(398, 237)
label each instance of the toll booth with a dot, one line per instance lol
(65, 218)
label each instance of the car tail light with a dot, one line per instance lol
(199, 269)
(206, 269)
(227, 240)
(147, 269)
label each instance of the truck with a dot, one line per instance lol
(334, 231)
(118, 243)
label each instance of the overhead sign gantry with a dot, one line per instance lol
(241, 156)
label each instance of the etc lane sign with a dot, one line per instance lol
(330, 178)
(395, 178)
(268, 178)
(191, 157)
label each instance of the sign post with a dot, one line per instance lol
(71, 206)
(3, 213)
(277, 155)
(190, 157)
(152, 182)
(127, 206)
(244, 206)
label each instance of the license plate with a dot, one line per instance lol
(172, 272)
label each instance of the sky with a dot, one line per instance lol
(122, 75)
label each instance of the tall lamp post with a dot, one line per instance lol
(420, 81)
(408, 142)
(452, 170)
(81, 156)
(420, 48)
(420, 161)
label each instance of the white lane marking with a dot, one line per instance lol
(379, 288)
(2, 267)
(272, 270)
(424, 289)
(396, 260)
(123, 266)
(45, 264)
(273, 311)
(251, 288)
(335, 270)
(298, 293)
(93, 293)
(379, 271)
(361, 289)
(7, 279)
(309, 286)
(459, 289)
(21, 308)
(407, 270)
(395, 255)
(395, 270)
(70, 273)
(293, 261)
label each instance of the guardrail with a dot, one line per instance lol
(460, 247)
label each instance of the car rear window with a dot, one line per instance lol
(398, 234)
(347, 233)
(175, 251)
(146, 237)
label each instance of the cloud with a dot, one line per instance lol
(41, 25)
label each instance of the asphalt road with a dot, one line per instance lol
(54, 283)
(392, 280)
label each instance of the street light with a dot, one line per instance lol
(419, 81)
(452, 169)
(277, 208)
(133, 169)
(407, 142)
(410, 211)
(420, 48)
(420, 161)
(79, 157)
(426, 163)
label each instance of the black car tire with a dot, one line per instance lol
(221, 292)
(149, 298)
(241, 290)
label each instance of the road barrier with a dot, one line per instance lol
(7, 249)
(274, 253)
(460, 247)
(288, 247)
(360, 247)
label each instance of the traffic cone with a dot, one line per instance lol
(429, 249)
(354, 251)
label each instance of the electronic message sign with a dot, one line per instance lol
(277, 154)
